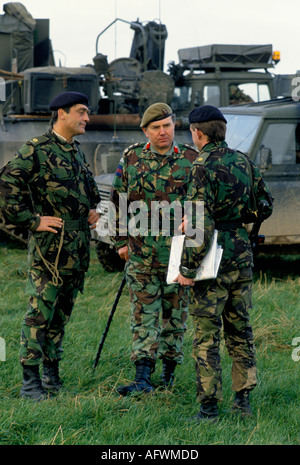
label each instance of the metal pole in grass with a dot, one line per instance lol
(109, 321)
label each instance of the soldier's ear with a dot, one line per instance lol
(61, 113)
(198, 133)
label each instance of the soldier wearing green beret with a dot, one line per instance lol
(152, 176)
(232, 189)
(48, 189)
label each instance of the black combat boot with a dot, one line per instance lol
(50, 376)
(142, 381)
(32, 385)
(241, 403)
(208, 411)
(167, 375)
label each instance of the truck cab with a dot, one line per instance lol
(222, 75)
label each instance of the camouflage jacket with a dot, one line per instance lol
(151, 184)
(223, 184)
(50, 177)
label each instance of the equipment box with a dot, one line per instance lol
(41, 85)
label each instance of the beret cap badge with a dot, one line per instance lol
(156, 112)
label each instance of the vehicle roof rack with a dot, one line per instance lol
(220, 56)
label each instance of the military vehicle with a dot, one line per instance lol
(269, 132)
(118, 91)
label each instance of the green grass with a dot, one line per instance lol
(88, 411)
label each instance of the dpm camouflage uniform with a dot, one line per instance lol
(154, 181)
(221, 179)
(50, 177)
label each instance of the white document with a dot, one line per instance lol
(209, 266)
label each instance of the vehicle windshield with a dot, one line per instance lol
(241, 130)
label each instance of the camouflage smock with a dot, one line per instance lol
(50, 177)
(223, 184)
(148, 177)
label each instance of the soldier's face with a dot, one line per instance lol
(74, 122)
(161, 134)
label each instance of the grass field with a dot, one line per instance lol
(88, 411)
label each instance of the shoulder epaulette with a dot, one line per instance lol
(190, 147)
(38, 140)
(202, 158)
(133, 146)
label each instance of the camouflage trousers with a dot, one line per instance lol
(225, 302)
(151, 299)
(49, 311)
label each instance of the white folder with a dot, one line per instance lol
(209, 266)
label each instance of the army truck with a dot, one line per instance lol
(222, 75)
(237, 79)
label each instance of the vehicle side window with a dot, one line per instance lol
(182, 98)
(211, 95)
(284, 141)
(248, 92)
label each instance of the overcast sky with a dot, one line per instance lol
(74, 26)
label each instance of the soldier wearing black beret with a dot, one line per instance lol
(64, 198)
(231, 189)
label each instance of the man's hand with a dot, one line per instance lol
(182, 227)
(123, 252)
(47, 223)
(93, 218)
(184, 281)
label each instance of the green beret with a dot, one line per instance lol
(156, 112)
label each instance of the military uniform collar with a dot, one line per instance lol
(174, 149)
(62, 138)
(74, 142)
(213, 146)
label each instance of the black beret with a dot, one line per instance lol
(206, 113)
(68, 99)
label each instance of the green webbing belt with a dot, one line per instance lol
(76, 225)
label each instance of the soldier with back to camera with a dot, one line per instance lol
(232, 191)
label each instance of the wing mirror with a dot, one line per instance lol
(265, 158)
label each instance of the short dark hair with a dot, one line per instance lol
(54, 115)
(214, 130)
